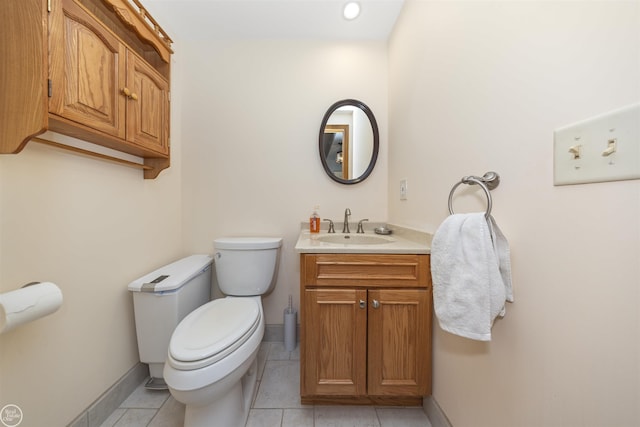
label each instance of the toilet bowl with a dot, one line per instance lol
(211, 365)
(202, 369)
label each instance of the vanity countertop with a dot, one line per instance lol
(402, 241)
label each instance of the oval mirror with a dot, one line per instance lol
(348, 141)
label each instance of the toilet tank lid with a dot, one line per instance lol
(172, 276)
(247, 243)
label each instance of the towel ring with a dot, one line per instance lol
(489, 181)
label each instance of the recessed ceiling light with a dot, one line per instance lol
(351, 10)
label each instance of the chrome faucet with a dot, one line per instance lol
(360, 228)
(345, 227)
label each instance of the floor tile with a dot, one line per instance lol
(346, 416)
(144, 398)
(170, 415)
(295, 354)
(279, 352)
(263, 353)
(402, 417)
(277, 403)
(103, 407)
(298, 418)
(135, 418)
(264, 418)
(280, 385)
(113, 418)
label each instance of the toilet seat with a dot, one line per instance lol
(213, 331)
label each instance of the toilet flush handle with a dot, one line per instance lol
(218, 255)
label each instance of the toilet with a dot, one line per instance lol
(211, 364)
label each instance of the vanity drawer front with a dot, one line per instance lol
(406, 271)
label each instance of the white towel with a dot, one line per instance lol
(471, 272)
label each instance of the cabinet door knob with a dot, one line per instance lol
(363, 303)
(131, 95)
(375, 303)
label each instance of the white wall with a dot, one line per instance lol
(478, 86)
(251, 119)
(91, 227)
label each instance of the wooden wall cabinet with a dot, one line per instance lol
(365, 329)
(97, 70)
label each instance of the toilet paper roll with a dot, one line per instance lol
(28, 303)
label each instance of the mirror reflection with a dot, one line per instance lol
(348, 141)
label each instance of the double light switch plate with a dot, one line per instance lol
(603, 148)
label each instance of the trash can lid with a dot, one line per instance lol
(172, 276)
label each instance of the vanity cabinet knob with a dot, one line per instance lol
(375, 303)
(363, 304)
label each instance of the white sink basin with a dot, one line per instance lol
(355, 239)
(402, 241)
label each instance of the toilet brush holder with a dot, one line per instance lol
(290, 323)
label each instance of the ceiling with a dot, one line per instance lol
(273, 19)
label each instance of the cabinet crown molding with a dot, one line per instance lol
(136, 17)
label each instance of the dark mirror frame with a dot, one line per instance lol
(376, 140)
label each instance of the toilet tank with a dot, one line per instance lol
(246, 266)
(161, 299)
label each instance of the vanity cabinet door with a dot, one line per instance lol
(87, 66)
(335, 342)
(399, 357)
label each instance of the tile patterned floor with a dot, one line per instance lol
(277, 403)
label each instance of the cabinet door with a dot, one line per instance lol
(87, 65)
(399, 335)
(335, 342)
(147, 106)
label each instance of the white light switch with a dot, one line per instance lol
(403, 189)
(603, 148)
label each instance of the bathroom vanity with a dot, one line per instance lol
(365, 320)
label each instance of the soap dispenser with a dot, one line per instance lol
(314, 223)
